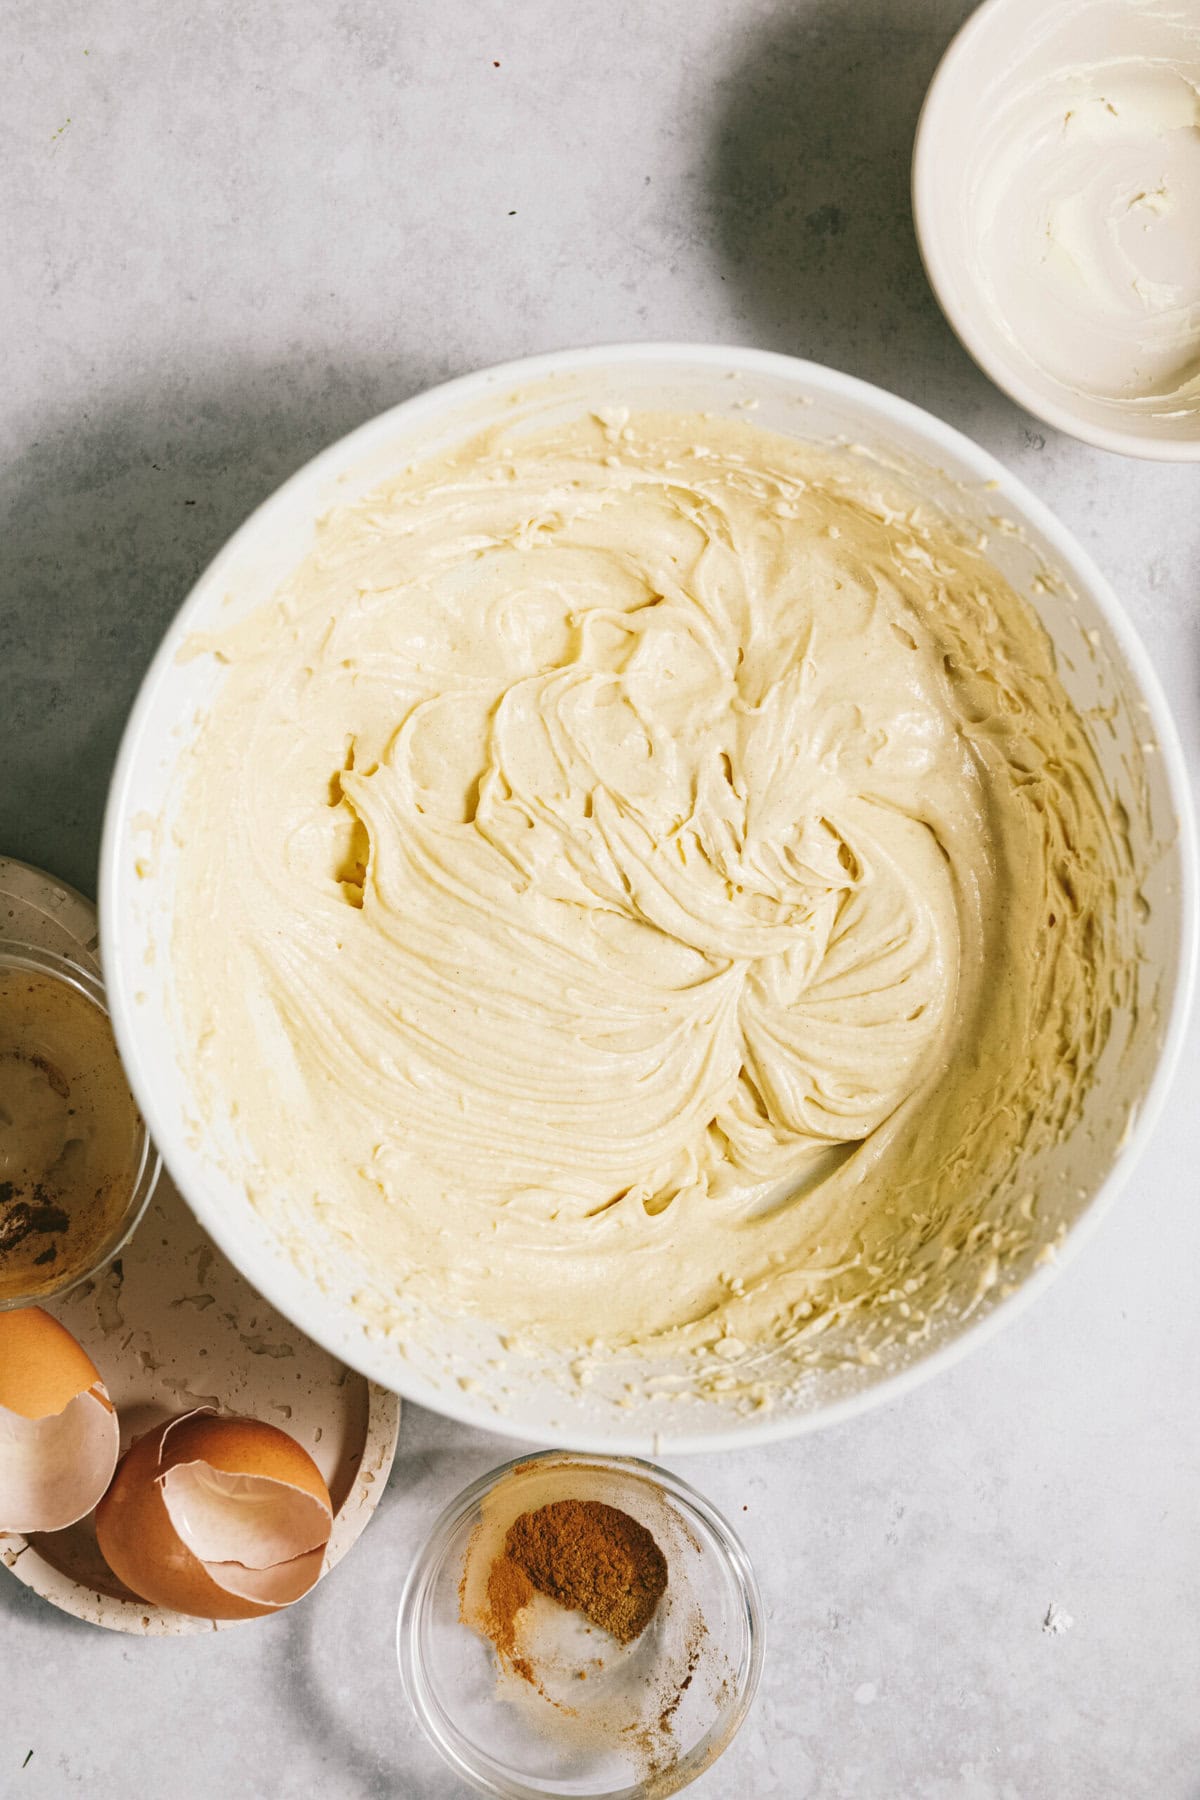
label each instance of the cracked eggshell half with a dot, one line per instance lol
(59, 1434)
(219, 1518)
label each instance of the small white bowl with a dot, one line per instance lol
(1027, 83)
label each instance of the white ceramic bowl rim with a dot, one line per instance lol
(930, 145)
(342, 1335)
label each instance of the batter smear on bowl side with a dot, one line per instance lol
(666, 895)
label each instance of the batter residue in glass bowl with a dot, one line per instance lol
(71, 1140)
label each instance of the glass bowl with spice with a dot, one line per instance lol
(580, 1625)
(76, 1162)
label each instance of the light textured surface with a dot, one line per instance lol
(231, 233)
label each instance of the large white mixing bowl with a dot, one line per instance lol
(1104, 667)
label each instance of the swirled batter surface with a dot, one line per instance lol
(662, 887)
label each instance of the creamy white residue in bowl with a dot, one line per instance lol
(1057, 197)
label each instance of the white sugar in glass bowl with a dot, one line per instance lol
(1056, 195)
(314, 1278)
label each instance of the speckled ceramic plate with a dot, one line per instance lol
(171, 1325)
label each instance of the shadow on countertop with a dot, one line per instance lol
(808, 187)
(108, 517)
(105, 523)
(21, 1603)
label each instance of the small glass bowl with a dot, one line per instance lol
(146, 1163)
(491, 1727)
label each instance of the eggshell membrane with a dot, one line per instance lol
(59, 1434)
(139, 1539)
(247, 1519)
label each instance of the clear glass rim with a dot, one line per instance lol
(471, 1763)
(88, 985)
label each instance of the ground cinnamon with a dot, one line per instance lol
(508, 1590)
(589, 1556)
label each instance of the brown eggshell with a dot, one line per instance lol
(42, 1367)
(138, 1538)
(243, 1447)
(59, 1435)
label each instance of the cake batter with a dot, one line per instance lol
(662, 890)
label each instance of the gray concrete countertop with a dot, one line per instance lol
(233, 231)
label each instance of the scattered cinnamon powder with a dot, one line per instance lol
(508, 1590)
